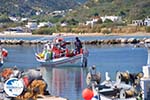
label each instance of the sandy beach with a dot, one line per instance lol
(81, 34)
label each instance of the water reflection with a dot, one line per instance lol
(65, 81)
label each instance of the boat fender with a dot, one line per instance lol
(41, 55)
(87, 94)
(4, 53)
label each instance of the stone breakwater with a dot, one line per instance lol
(88, 42)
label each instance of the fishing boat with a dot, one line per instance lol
(57, 54)
(126, 86)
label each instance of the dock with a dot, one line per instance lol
(42, 97)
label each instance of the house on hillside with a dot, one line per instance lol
(138, 22)
(145, 22)
(45, 24)
(14, 19)
(63, 24)
(93, 20)
(24, 19)
(17, 19)
(32, 24)
(112, 18)
(97, 18)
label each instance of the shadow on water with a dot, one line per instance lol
(65, 81)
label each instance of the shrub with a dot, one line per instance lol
(106, 30)
(45, 31)
(148, 29)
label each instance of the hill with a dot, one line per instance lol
(128, 9)
(30, 7)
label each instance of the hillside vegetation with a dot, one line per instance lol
(128, 9)
(29, 7)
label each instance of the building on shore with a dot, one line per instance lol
(145, 22)
(17, 31)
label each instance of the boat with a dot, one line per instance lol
(57, 54)
(126, 86)
(4, 54)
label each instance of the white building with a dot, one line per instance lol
(43, 24)
(94, 20)
(147, 21)
(14, 19)
(24, 19)
(112, 18)
(32, 25)
(64, 24)
(138, 22)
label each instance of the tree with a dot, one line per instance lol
(4, 18)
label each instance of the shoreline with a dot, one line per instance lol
(80, 34)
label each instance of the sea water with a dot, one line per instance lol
(69, 81)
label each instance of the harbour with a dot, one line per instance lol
(59, 80)
(75, 50)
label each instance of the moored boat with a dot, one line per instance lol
(126, 86)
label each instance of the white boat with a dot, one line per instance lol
(65, 58)
(79, 59)
(126, 87)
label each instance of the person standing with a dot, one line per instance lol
(78, 45)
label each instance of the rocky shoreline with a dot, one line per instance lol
(90, 42)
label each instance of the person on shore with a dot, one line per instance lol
(78, 45)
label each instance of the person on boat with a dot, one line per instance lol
(78, 45)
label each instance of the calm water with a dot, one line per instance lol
(71, 38)
(70, 81)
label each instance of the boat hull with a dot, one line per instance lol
(102, 97)
(78, 60)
